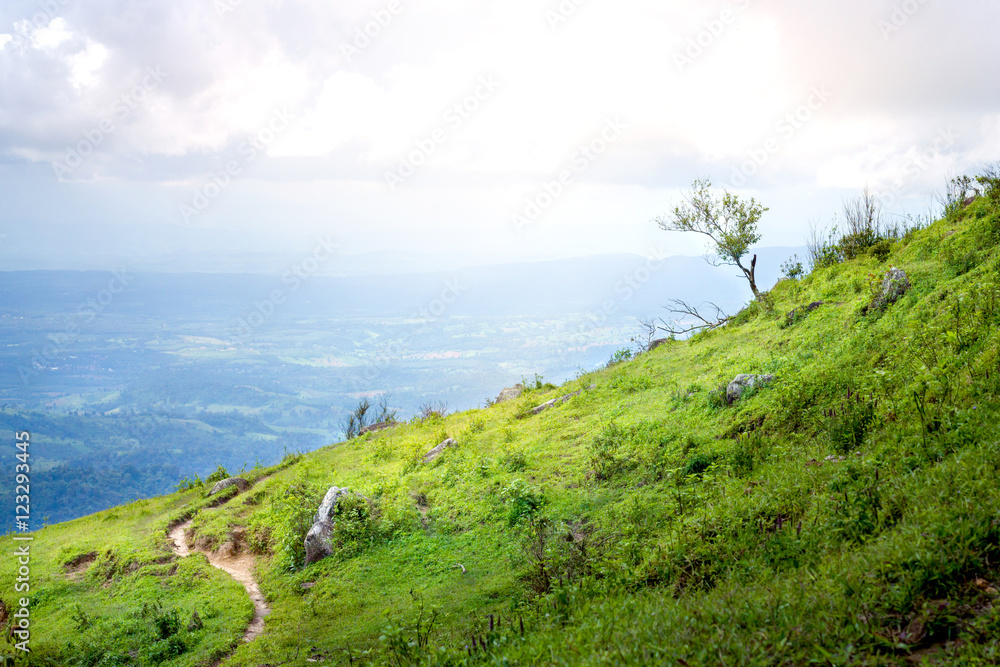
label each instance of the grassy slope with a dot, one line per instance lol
(671, 528)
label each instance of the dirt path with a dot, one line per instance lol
(239, 567)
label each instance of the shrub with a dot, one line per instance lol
(220, 474)
(848, 423)
(523, 502)
(513, 461)
(356, 526)
(716, 399)
(857, 244)
(610, 452)
(189, 483)
(823, 245)
(620, 356)
(286, 521)
(749, 451)
(792, 268)
(431, 410)
(959, 261)
(697, 464)
(166, 623)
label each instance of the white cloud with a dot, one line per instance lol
(50, 36)
(557, 87)
(85, 64)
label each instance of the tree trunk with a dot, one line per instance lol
(751, 278)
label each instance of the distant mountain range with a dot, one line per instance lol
(627, 284)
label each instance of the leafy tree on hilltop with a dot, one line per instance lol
(730, 223)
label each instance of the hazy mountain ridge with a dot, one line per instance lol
(842, 512)
(141, 362)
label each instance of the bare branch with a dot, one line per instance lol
(686, 311)
(649, 328)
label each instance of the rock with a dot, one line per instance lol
(743, 382)
(375, 428)
(894, 285)
(317, 543)
(238, 482)
(437, 451)
(556, 401)
(229, 549)
(510, 393)
(657, 343)
(800, 313)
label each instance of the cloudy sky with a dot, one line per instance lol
(217, 133)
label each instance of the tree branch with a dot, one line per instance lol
(679, 307)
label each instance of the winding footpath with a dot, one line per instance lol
(239, 567)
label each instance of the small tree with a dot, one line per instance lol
(730, 223)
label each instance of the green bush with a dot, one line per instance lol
(514, 461)
(697, 464)
(523, 502)
(220, 474)
(848, 422)
(282, 526)
(792, 268)
(959, 260)
(620, 356)
(356, 525)
(748, 452)
(617, 450)
(610, 453)
(189, 483)
(852, 246)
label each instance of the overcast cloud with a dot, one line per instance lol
(432, 127)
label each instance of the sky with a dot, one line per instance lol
(236, 134)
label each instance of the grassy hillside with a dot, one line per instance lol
(846, 513)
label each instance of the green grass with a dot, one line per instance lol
(844, 514)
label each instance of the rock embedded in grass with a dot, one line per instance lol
(238, 482)
(556, 401)
(375, 428)
(510, 393)
(894, 285)
(736, 388)
(437, 451)
(801, 313)
(317, 542)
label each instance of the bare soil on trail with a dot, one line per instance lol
(239, 566)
